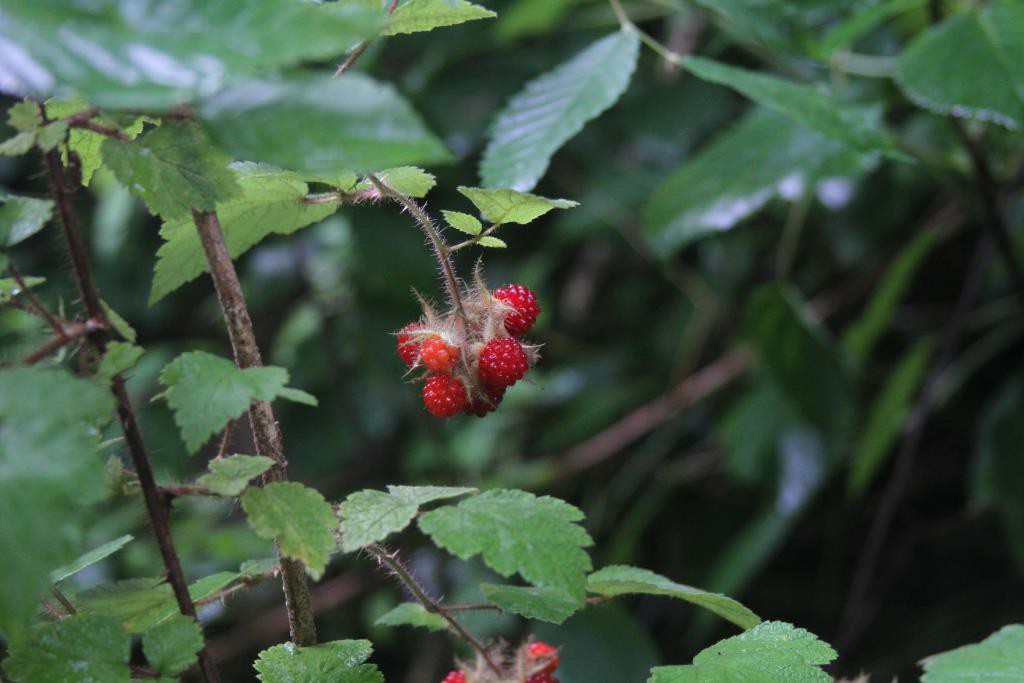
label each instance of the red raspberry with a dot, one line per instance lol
(408, 347)
(525, 308)
(481, 406)
(444, 395)
(541, 650)
(438, 355)
(542, 677)
(455, 677)
(503, 362)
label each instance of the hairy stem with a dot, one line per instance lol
(266, 432)
(67, 333)
(395, 566)
(156, 504)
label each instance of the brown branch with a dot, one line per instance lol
(359, 49)
(33, 300)
(265, 430)
(68, 333)
(156, 505)
(86, 121)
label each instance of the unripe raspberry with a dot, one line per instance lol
(438, 355)
(482, 406)
(455, 677)
(525, 308)
(543, 651)
(444, 395)
(503, 362)
(408, 347)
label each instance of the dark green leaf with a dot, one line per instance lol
(21, 217)
(229, 476)
(339, 661)
(297, 518)
(77, 649)
(120, 357)
(997, 658)
(371, 516)
(413, 614)
(90, 558)
(544, 603)
(415, 16)
(171, 647)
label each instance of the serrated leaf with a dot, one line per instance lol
(772, 652)
(804, 104)
(119, 324)
(488, 241)
(51, 135)
(512, 206)
(206, 391)
(622, 580)
(997, 658)
(75, 649)
(298, 396)
(295, 516)
(553, 108)
(764, 156)
(339, 661)
(408, 180)
(229, 476)
(970, 65)
(270, 201)
(24, 116)
(371, 516)
(88, 144)
(17, 145)
(9, 287)
(141, 604)
(90, 558)
(119, 58)
(320, 125)
(415, 16)
(172, 168)
(413, 614)
(516, 531)
(120, 357)
(171, 647)
(463, 222)
(545, 603)
(22, 217)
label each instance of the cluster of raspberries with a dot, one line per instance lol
(535, 663)
(471, 356)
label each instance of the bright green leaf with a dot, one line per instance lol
(88, 144)
(120, 357)
(415, 16)
(553, 108)
(622, 580)
(22, 217)
(413, 614)
(772, 652)
(24, 116)
(298, 396)
(544, 603)
(90, 558)
(119, 324)
(17, 145)
(339, 661)
(463, 222)
(371, 516)
(171, 647)
(997, 658)
(51, 135)
(511, 206)
(77, 649)
(516, 531)
(297, 517)
(488, 241)
(320, 125)
(409, 180)
(229, 476)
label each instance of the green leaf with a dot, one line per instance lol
(17, 145)
(9, 287)
(22, 217)
(77, 649)
(321, 125)
(415, 16)
(50, 473)
(765, 155)
(171, 647)
(413, 614)
(888, 416)
(971, 65)
(551, 109)
(516, 531)
(87, 144)
(120, 357)
(371, 516)
(295, 516)
(339, 661)
(24, 117)
(772, 652)
(51, 135)
(798, 354)
(488, 241)
(119, 324)
(172, 168)
(511, 206)
(750, 430)
(409, 180)
(229, 476)
(299, 396)
(141, 604)
(270, 201)
(805, 104)
(124, 59)
(622, 580)
(90, 558)
(463, 222)
(997, 658)
(546, 603)
(206, 391)
(866, 17)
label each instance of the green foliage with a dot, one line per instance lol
(413, 614)
(371, 516)
(516, 531)
(997, 658)
(414, 16)
(79, 648)
(21, 217)
(512, 206)
(772, 652)
(88, 144)
(297, 518)
(9, 287)
(171, 647)
(206, 391)
(543, 603)
(622, 580)
(90, 558)
(463, 222)
(230, 475)
(339, 661)
(120, 357)
(553, 108)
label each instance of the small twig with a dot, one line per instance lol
(171, 491)
(68, 333)
(359, 49)
(395, 566)
(86, 120)
(63, 600)
(33, 300)
(669, 55)
(475, 239)
(470, 607)
(241, 584)
(225, 440)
